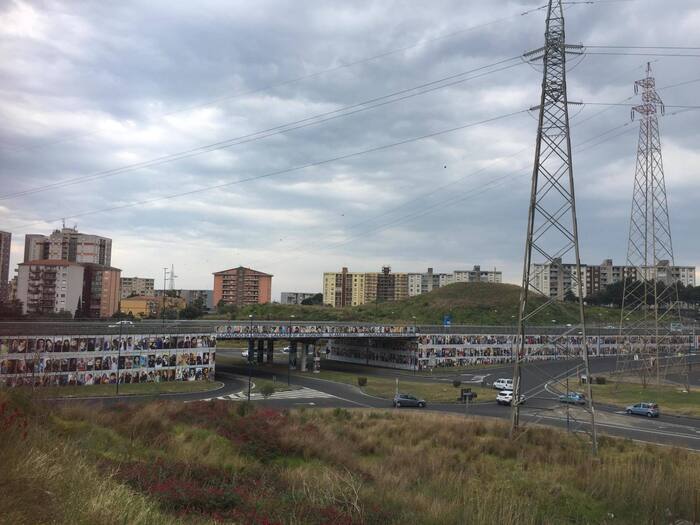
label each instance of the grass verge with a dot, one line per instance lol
(671, 399)
(432, 392)
(144, 389)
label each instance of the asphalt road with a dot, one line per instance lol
(542, 408)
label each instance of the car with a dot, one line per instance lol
(648, 409)
(408, 400)
(573, 398)
(244, 353)
(505, 397)
(503, 384)
(123, 322)
(286, 350)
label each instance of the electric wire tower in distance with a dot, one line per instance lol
(650, 306)
(552, 231)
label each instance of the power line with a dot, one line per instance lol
(690, 48)
(283, 171)
(283, 128)
(621, 53)
(295, 80)
(456, 199)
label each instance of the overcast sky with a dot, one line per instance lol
(93, 86)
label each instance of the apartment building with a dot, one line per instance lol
(477, 275)
(101, 295)
(67, 244)
(420, 283)
(5, 243)
(136, 286)
(242, 286)
(190, 296)
(48, 286)
(146, 306)
(294, 297)
(555, 279)
(346, 288)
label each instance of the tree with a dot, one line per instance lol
(194, 310)
(314, 299)
(267, 390)
(569, 297)
(11, 310)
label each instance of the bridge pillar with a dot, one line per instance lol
(251, 350)
(304, 351)
(317, 359)
(292, 355)
(261, 350)
(270, 350)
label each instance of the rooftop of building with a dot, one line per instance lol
(238, 268)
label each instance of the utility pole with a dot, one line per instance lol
(650, 305)
(251, 346)
(165, 280)
(552, 230)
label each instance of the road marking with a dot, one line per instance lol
(302, 393)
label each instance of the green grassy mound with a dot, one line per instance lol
(466, 303)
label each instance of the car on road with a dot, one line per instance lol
(244, 353)
(643, 409)
(122, 323)
(505, 397)
(503, 384)
(573, 398)
(408, 400)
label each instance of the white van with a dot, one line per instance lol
(503, 384)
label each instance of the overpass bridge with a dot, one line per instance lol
(396, 345)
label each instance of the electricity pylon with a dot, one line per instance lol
(650, 310)
(552, 231)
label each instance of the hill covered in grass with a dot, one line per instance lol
(466, 303)
(203, 463)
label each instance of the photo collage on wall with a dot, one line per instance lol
(93, 360)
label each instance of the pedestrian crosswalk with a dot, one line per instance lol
(301, 393)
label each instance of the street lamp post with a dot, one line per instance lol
(415, 352)
(119, 353)
(289, 354)
(250, 350)
(165, 279)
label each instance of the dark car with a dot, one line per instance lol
(643, 409)
(573, 398)
(408, 400)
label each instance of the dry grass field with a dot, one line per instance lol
(167, 462)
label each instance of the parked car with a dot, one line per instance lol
(123, 322)
(503, 384)
(643, 409)
(505, 397)
(573, 398)
(408, 400)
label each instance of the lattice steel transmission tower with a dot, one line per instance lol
(552, 231)
(650, 310)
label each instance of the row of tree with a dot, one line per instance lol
(612, 295)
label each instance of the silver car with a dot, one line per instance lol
(408, 400)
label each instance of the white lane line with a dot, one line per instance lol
(302, 393)
(633, 429)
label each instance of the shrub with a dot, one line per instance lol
(361, 381)
(456, 383)
(267, 390)
(600, 380)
